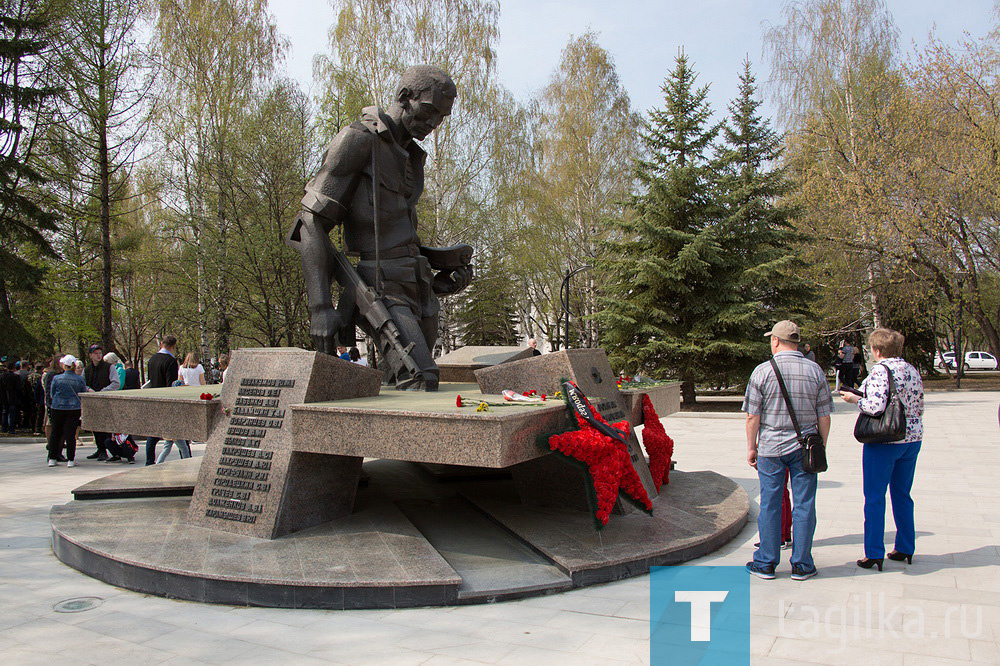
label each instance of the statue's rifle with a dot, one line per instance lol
(383, 328)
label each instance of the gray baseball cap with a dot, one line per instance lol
(785, 330)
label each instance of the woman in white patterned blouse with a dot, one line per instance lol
(890, 464)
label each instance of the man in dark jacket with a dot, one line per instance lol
(131, 376)
(162, 373)
(97, 374)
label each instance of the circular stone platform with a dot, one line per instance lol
(412, 540)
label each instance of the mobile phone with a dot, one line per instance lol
(852, 390)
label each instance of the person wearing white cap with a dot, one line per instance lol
(65, 411)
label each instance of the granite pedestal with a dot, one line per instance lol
(277, 518)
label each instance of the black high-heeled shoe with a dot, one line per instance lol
(869, 562)
(899, 557)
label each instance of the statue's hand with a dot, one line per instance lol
(452, 282)
(325, 322)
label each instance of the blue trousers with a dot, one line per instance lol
(771, 473)
(889, 465)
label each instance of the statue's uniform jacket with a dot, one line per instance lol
(341, 193)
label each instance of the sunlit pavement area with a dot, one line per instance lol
(942, 609)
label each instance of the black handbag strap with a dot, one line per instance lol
(891, 391)
(788, 401)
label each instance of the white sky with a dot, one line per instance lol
(643, 37)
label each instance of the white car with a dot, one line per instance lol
(944, 360)
(974, 360)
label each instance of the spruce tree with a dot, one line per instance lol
(23, 222)
(486, 315)
(663, 297)
(760, 270)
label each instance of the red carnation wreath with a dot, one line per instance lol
(658, 444)
(607, 459)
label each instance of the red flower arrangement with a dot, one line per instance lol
(607, 461)
(458, 401)
(658, 444)
(207, 396)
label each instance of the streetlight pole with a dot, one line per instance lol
(959, 355)
(564, 300)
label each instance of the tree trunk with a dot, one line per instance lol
(687, 389)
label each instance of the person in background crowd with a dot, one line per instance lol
(65, 414)
(533, 343)
(55, 367)
(38, 391)
(131, 376)
(162, 373)
(191, 371)
(10, 388)
(27, 407)
(224, 365)
(808, 353)
(342, 353)
(890, 464)
(847, 376)
(116, 372)
(356, 357)
(98, 377)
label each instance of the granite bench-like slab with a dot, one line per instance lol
(169, 413)
(429, 427)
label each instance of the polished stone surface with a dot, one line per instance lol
(695, 514)
(461, 364)
(176, 477)
(666, 399)
(429, 427)
(411, 541)
(254, 481)
(170, 413)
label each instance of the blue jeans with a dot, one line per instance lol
(771, 473)
(10, 419)
(183, 448)
(889, 465)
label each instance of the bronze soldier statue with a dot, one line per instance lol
(392, 293)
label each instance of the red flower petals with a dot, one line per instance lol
(207, 396)
(458, 401)
(658, 444)
(607, 461)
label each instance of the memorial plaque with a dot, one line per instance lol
(251, 481)
(590, 371)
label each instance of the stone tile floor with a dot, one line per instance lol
(821, 620)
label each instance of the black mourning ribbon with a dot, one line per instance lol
(580, 405)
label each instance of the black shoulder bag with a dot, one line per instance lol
(889, 426)
(813, 449)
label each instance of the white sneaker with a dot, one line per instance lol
(71, 463)
(52, 463)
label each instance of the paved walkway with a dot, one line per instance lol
(822, 620)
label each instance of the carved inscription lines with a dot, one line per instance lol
(245, 467)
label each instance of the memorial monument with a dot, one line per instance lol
(307, 494)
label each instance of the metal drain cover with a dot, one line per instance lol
(77, 605)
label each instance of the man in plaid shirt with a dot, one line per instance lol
(773, 447)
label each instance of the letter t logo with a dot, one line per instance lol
(701, 610)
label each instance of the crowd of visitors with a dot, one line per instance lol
(44, 399)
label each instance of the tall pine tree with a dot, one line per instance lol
(23, 222)
(663, 297)
(760, 271)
